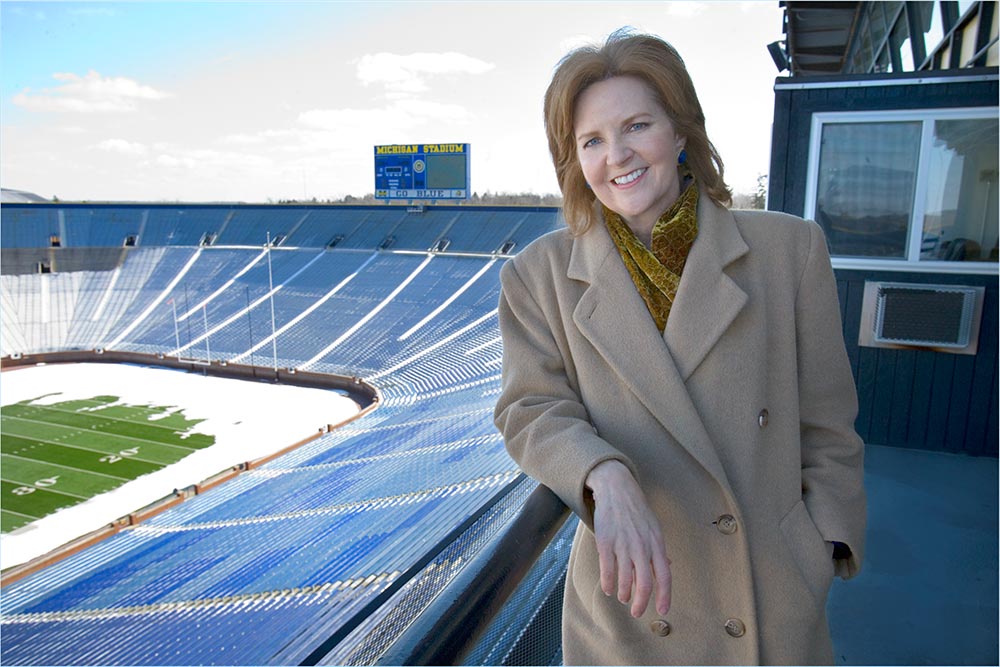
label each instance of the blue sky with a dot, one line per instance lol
(251, 101)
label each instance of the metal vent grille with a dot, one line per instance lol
(941, 317)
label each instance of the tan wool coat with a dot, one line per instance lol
(737, 422)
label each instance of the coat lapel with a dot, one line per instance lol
(707, 299)
(614, 318)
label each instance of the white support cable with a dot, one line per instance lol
(372, 313)
(45, 288)
(222, 289)
(416, 327)
(243, 312)
(157, 301)
(443, 341)
(270, 287)
(483, 346)
(108, 291)
(305, 313)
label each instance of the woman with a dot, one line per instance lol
(675, 372)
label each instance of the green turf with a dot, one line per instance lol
(54, 456)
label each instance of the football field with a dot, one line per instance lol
(61, 454)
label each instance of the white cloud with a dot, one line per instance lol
(122, 146)
(399, 115)
(87, 94)
(176, 161)
(210, 160)
(407, 73)
(257, 138)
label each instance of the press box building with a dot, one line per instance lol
(885, 133)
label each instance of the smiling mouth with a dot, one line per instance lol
(629, 177)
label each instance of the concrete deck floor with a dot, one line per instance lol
(928, 590)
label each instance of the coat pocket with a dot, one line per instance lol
(809, 550)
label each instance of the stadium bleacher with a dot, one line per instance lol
(340, 538)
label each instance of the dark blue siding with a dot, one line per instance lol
(920, 398)
(907, 398)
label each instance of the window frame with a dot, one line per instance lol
(912, 261)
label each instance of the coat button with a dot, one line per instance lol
(762, 418)
(660, 627)
(726, 524)
(735, 627)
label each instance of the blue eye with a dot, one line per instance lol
(637, 126)
(591, 142)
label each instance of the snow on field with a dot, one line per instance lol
(248, 419)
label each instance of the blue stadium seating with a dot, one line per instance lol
(261, 568)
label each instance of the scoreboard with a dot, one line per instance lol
(422, 171)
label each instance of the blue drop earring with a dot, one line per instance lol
(683, 157)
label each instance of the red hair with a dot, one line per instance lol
(658, 65)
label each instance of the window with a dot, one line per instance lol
(867, 175)
(907, 187)
(960, 210)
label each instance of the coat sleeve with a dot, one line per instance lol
(546, 427)
(832, 451)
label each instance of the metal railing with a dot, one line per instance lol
(451, 625)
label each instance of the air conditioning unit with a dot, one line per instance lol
(945, 318)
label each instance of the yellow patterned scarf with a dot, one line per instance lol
(657, 272)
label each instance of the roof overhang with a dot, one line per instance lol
(818, 35)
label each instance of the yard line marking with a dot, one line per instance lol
(26, 516)
(80, 470)
(94, 430)
(47, 488)
(97, 416)
(88, 449)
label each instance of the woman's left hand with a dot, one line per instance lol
(629, 542)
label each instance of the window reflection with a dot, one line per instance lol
(866, 185)
(960, 217)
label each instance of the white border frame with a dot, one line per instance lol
(820, 119)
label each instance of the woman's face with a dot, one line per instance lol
(628, 150)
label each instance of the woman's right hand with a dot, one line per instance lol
(629, 542)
